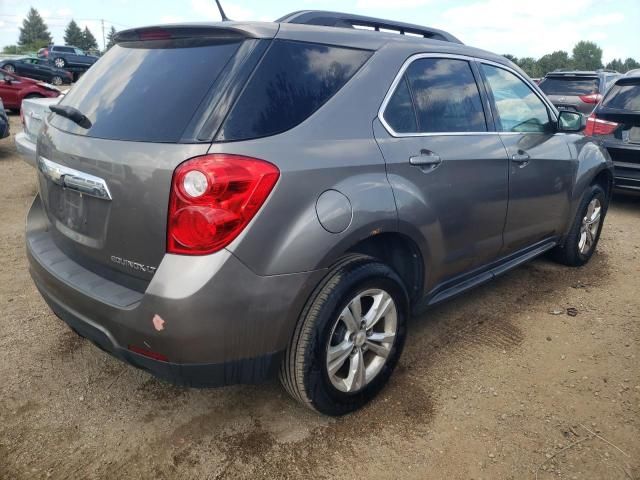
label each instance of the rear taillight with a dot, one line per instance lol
(591, 98)
(597, 126)
(213, 197)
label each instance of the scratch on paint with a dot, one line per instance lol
(158, 322)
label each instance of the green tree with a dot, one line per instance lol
(530, 66)
(34, 33)
(513, 58)
(88, 40)
(616, 64)
(73, 34)
(587, 56)
(554, 61)
(630, 64)
(110, 37)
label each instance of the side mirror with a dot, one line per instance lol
(571, 121)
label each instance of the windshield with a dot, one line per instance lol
(569, 85)
(141, 93)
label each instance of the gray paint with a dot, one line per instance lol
(475, 214)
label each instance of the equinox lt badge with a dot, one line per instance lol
(133, 265)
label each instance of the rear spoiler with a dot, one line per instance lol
(222, 30)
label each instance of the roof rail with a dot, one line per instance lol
(347, 20)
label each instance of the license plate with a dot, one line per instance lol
(634, 135)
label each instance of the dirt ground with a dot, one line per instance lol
(493, 385)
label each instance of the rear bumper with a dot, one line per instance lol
(223, 324)
(26, 148)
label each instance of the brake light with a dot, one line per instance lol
(597, 126)
(154, 34)
(213, 198)
(591, 98)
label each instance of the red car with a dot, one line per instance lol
(13, 89)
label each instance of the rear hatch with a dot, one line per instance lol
(572, 92)
(152, 102)
(617, 122)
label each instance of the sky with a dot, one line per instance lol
(519, 27)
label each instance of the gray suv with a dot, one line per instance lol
(301, 190)
(577, 90)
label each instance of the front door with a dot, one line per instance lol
(449, 173)
(541, 167)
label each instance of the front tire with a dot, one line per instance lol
(349, 337)
(582, 240)
(60, 62)
(10, 68)
(56, 80)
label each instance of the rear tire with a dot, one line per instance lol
(582, 240)
(334, 365)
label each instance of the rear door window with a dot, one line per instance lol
(446, 96)
(624, 96)
(400, 113)
(518, 109)
(570, 86)
(146, 91)
(292, 81)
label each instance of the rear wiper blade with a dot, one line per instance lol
(72, 114)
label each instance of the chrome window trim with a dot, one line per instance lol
(419, 56)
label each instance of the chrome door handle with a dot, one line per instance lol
(430, 160)
(520, 157)
(74, 179)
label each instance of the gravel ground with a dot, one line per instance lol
(498, 384)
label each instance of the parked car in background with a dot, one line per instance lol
(14, 89)
(305, 188)
(68, 57)
(38, 69)
(32, 115)
(577, 90)
(4, 122)
(616, 121)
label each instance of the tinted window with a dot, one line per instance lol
(446, 96)
(63, 49)
(624, 96)
(400, 114)
(146, 94)
(293, 80)
(518, 109)
(569, 85)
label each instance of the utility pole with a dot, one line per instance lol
(104, 46)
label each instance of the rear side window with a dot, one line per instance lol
(400, 114)
(146, 91)
(291, 82)
(446, 96)
(625, 96)
(572, 86)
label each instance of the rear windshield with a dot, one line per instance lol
(624, 97)
(292, 81)
(569, 85)
(144, 93)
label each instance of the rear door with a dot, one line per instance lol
(447, 169)
(541, 169)
(105, 189)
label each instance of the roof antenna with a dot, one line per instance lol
(224, 17)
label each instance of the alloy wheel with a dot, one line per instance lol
(10, 68)
(590, 226)
(59, 62)
(361, 340)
